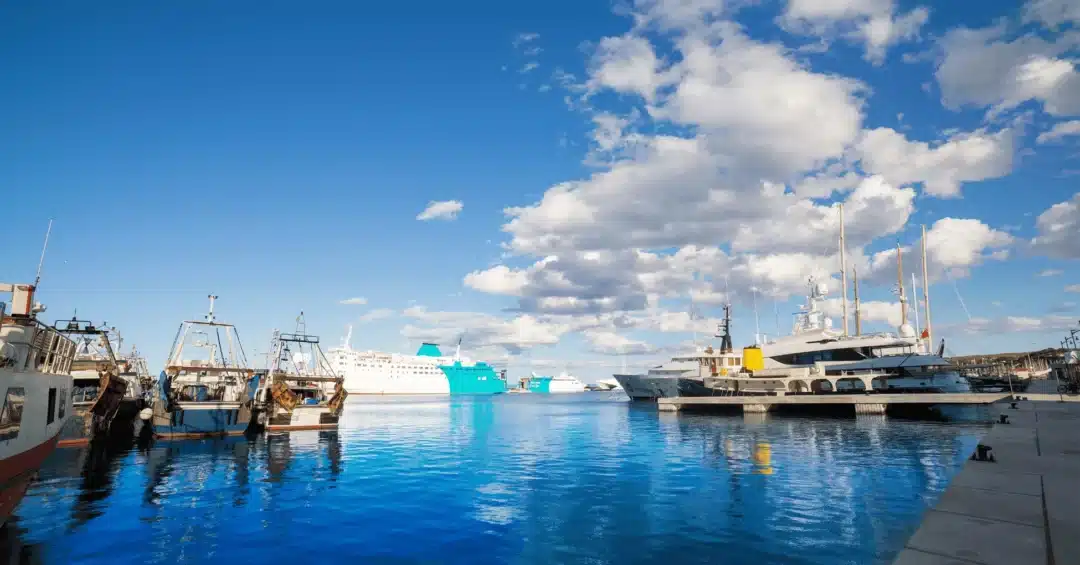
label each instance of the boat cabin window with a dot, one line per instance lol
(11, 413)
(63, 403)
(811, 357)
(50, 415)
(85, 393)
(199, 393)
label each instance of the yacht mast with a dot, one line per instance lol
(915, 291)
(757, 324)
(926, 292)
(843, 271)
(693, 326)
(858, 312)
(725, 329)
(900, 282)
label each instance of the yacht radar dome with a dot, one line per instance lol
(906, 330)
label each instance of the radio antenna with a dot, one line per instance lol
(41, 261)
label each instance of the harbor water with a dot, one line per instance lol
(517, 479)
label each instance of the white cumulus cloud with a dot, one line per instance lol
(1057, 230)
(941, 167)
(441, 210)
(984, 68)
(358, 301)
(874, 23)
(1060, 131)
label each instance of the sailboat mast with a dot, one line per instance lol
(900, 281)
(858, 312)
(926, 293)
(843, 271)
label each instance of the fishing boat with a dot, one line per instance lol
(106, 394)
(35, 379)
(301, 391)
(207, 388)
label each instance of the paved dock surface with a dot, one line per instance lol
(1023, 509)
(819, 399)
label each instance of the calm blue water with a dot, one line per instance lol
(522, 479)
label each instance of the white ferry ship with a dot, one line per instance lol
(427, 372)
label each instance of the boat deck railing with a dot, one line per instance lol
(37, 346)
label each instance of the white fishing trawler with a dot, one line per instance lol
(427, 372)
(301, 390)
(35, 381)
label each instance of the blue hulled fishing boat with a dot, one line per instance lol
(207, 388)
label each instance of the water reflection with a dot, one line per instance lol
(528, 480)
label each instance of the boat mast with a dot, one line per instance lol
(757, 324)
(725, 328)
(915, 291)
(693, 326)
(858, 312)
(843, 271)
(900, 282)
(926, 293)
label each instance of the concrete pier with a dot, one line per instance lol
(863, 403)
(1018, 509)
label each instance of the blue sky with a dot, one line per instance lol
(278, 155)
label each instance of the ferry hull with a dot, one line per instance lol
(453, 383)
(553, 386)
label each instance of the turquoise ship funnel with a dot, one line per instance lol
(429, 350)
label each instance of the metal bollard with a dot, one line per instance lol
(983, 453)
